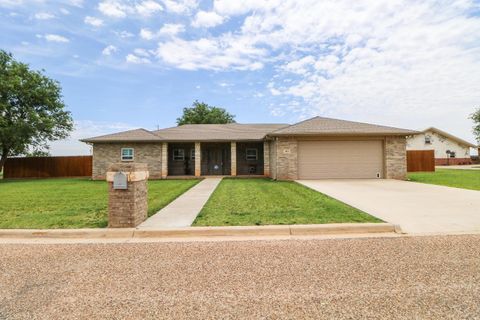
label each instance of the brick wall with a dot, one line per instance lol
(104, 154)
(273, 159)
(396, 158)
(286, 159)
(452, 161)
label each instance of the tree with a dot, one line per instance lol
(201, 112)
(32, 111)
(37, 153)
(476, 120)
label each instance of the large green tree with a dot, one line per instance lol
(201, 112)
(32, 111)
(476, 127)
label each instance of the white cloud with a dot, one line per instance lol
(64, 11)
(96, 22)
(171, 29)
(148, 8)
(44, 16)
(207, 19)
(227, 52)
(168, 29)
(180, 6)
(147, 34)
(124, 8)
(85, 129)
(76, 3)
(229, 7)
(54, 38)
(124, 34)
(141, 52)
(131, 58)
(109, 50)
(113, 8)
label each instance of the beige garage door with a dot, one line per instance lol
(340, 159)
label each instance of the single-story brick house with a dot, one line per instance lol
(317, 148)
(448, 149)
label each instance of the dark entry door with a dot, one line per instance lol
(218, 160)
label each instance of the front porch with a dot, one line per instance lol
(205, 159)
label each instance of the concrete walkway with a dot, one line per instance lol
(416, 207)
(183, 211)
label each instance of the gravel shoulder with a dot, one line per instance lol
(401, 278)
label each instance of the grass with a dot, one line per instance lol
(465, 179)
(71, 203)
(263, 201)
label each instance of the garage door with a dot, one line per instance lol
(340, 159)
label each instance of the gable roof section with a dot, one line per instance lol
(218, 132)
(320, 126)
(452, 137)
(137, 135)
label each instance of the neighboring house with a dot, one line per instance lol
(317, 148)
(449, 150)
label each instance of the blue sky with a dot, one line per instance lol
(136, 63)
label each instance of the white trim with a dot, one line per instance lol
(127, 160)
(183, 154)
(250, 149)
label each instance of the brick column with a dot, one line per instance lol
(164, 160)
(127, 208)
(266, 158)
(198, 159)
(233, 157)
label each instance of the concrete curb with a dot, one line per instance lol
(276, 230)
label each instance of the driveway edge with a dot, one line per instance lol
(271, 230)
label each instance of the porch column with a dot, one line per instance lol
(233, 159)
(164, 160)
(198, 159)
(266, 158)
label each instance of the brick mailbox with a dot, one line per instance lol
(127, 194)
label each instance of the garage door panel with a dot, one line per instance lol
(340, 159)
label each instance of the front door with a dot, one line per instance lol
(217, 159)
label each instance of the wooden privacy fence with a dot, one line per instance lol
(420, 160)
(48, 167)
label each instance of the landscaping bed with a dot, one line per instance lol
(238, 202)
(71, 203)
(465, 179)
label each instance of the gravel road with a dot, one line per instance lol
(381, 278)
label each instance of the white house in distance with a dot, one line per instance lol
(449, 150)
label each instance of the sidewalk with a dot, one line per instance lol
(183, 211)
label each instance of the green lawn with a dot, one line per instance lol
(264, 201)
(71, 203)
(466, 179)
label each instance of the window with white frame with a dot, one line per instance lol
(428, 140)
(251, 154)
(178, 154)
(192, 154)
(127, 154)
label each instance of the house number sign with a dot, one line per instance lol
(120, 181)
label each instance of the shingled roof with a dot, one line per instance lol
(137, 135)
(250, 132)
(327, 127)
(218, 132)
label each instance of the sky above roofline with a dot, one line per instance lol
(126, 64)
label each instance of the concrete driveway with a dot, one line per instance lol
(416, 207)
